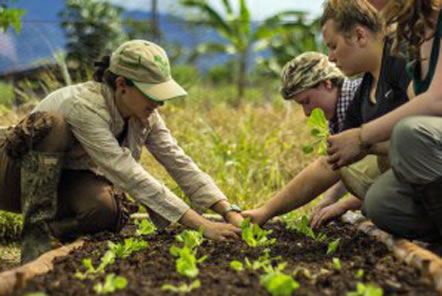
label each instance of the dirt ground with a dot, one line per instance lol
(147, 270)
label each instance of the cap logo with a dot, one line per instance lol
(163, 65)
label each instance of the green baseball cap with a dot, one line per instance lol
(146, 64)
(306, 71)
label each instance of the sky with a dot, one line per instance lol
(260, 9)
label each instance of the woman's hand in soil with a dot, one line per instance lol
(345, 148)
(257, 216)
(221, 231)
(327, 214)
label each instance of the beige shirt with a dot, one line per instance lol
(90, 110)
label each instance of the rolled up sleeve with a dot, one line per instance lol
(197, 185)
(117, 164)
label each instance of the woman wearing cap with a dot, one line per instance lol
(407, 200)
(79, 148)
(354, 35)
(313, 82)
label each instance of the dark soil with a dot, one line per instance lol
(147, 270)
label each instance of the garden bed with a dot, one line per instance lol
(361, 259)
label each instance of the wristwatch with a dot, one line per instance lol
(231, 208)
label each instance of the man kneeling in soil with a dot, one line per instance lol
(66, 165)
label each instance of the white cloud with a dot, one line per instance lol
(260, 8)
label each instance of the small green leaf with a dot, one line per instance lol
(236, 265)
(337, 263)
(307, 149)
(360, 273)
(333, 246)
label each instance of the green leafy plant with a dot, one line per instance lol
(254, 235)
(360, 273)
(291, 220)
(111, 284)
(237, 265)
(191, 238)
(366, 290)
(333, 246)
(303, 227)
(36, 294)
(263, 262)
(320, 131)
(337, 263)
(145, 227)
(183, 288)
(91, 271)
(278, 283)
(130, 245)
(186, 263)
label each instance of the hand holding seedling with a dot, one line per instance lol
(345, 148)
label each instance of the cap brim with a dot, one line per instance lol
(162, 91)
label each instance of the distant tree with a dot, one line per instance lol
(10, 17)
(237, 30)
(302, 37)
(93, 28)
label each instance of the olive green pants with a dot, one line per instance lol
(90, 199)
(400, 201)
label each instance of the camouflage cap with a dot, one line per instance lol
(147, 66)
(306, 71)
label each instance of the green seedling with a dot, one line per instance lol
(291, 220)
(255, 236)
(333, 246)
(360, 273)
(144, 227)
(186, 264)
(236, 265)
(191, 238)
(320, 131)
(366, 290)
(303, 227)
(91, 271)
(183, 288)
(111, 284)
(130, 245)
(278, 283)
(36, 294)
(337, 263)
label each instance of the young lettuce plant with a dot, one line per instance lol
(111, 284)
(130, 245)
(91, 271)
(186, 264)
(366, 290)
(255, 236)
(183, 288)
(320, 131)
(304, 228)
(337, 263)
(278, 283)
(144, 227)
(191, 238)
(237, 265)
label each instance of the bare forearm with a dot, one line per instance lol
(380, 149)
(306, 186)
(193, 220)
(379, 130)
(351, 203)
(333, 194)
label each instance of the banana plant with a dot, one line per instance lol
(236, 28)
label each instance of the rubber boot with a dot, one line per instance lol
(432, 201)
(40, 175)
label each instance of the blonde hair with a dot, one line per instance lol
(349, 13)
(412, 18)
